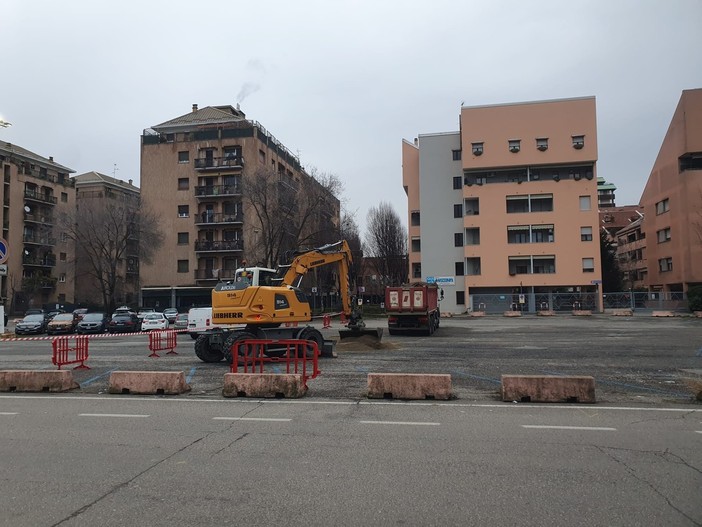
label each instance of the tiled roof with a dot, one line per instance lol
(97, 177)
(8, 149)
(207, 115)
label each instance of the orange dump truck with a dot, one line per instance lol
(412, 308)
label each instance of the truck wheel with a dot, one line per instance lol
(393, 331)
(194, 336)
(309, 333)
(232, 339)
(204, 352)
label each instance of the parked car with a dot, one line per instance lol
(170, 313)
(92, 323)
(153, 321)
(144, 310)
(62, 323)
(124, 323)
(34, 324)
(80, 312)
(51, 314)
(181, 321)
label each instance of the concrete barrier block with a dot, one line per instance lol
(477, 313)
(697, 314)
(512, 313)
(622, 313)
(37, 381)
(409, 386)
(148, 382)
(662, 314)
(548, 389)
(278, 385)
(582, 313)
(546, 313)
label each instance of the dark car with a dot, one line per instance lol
(31, 325)
(80, 312)
(92, 323)
(51, 314)
(61, 323)
(124, 323)
(170, 313)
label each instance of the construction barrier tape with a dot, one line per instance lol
(91, 335)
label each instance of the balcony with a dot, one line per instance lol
(47, 261)
(219, 246)
(44, 219)
(214, 274)
(39, 240)
(218, 218)
(209, 191)
(38, 196)
(229, 162)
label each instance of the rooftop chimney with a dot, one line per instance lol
(194, 107)
(130, 182)
(51, 158)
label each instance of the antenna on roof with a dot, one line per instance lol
(114, 170)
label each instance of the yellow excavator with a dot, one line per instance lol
(246, 309)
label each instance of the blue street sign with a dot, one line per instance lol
(3, 250)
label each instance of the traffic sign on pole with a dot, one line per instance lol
(3, 250)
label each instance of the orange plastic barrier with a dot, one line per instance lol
(160, 340)
(63, 351)
(252, 354)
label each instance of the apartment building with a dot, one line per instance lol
(672, 199)
(96, 191)
(504, 212)
(193, 169)
(36, 191)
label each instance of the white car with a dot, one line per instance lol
(153, 321)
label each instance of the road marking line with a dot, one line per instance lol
(410, 423)
(271, 419)
(548, 427)
(698, 431)
(9, 413)
(113, 415)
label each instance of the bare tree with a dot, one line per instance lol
(350, 232)
(106, 232)
(386, 240)
(288, 213)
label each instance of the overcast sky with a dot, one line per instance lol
(341, 83)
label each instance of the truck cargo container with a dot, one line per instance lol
(413, 308)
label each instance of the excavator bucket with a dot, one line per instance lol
(350, 333)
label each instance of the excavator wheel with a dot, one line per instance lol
(233, 339)
(204, 352)
(310, 333)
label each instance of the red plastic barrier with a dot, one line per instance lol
(160, 340)
(291, 352)
(327, 321)
(63, 350)
(342, 317)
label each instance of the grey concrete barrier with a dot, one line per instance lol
(37, 381)
(548, 389)
(267, 385)
(409, 386)
(148, 382)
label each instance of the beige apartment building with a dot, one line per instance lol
(672, 200)
(192, 177)
(503, 214)
(36, 191)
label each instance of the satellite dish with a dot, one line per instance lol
(27, 209)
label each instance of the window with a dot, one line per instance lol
(415, 218)
(472, 206)
(64, 237)
(184, 157)
(64, 197)
(261, 157)
(663, 206)
(416, 245)
(542, 234)
(183, 211)
(516, 204)
(542, 143)
(62, 257)
(62, 278)
(416, 270)
(544, 264)
(457, 183)
(472, 236)
(518, 234)
(665, 265)
(472, 266)
(458, 239)
(585, 203)
(519, 265)
(183, 238)
(514, 145)
(460, 297)
(578, 141)
(477, 149)
(183, 183)
(588, 265)
(456, 155)
(183, 266)
(458, 210)
(459, 268)
(585, 234)
(170, 138)
(664, 235)
(690, 161)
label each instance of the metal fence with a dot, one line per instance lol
(533, 302)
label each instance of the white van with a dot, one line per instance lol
(199, 319)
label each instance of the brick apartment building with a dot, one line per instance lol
(35, 192)
(192, 176)
(508, 205)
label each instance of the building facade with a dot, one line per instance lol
(504, 213)
(36, 191)
(672, 199)
(98, 191)
(193, 169)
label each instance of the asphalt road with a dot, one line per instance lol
(114, 461)
(635, 360)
